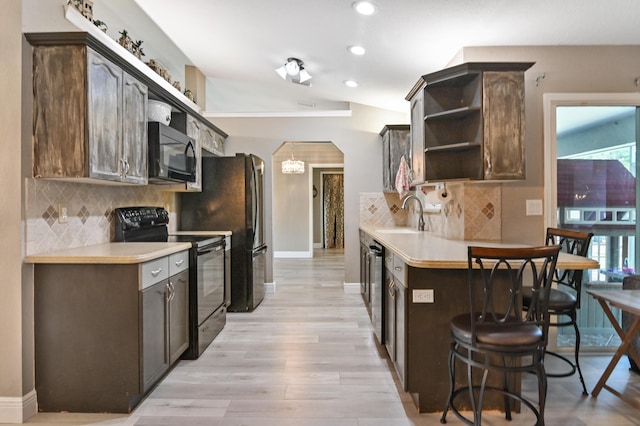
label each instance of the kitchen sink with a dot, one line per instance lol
(398, 231)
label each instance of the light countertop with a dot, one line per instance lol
(203, 233)
(426, 250)
(109, 253)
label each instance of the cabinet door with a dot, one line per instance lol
(399, 145)
(194, 130)
(503, 108)
(417, 138)
(400, 361)
(134, 130)
(178, 316)
(104, 109)
(389, 317)
(155, 360)
(387, 185)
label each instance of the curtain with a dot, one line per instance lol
(333, 210)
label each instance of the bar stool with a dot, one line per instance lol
(564, 301)
(497, 335)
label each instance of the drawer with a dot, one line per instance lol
(398, 268)
(178, 262)
(154, 271)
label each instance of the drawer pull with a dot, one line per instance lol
(156, 272)
(398, 268)
(179, 262)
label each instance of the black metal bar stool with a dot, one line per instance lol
(497, 335)
(564, 300)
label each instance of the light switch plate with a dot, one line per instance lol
(534, 207)
(423, 296)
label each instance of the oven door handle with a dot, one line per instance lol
(214, 249)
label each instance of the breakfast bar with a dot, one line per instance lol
(430, 289)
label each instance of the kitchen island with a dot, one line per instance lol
(109, 322)
(426, 286)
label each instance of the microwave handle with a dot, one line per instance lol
(195, 159)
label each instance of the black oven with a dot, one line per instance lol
(209, 289)
(207, 305)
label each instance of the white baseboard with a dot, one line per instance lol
(270, 288)
(18, 409)
(293, 254)
(351, 287)
(318, 245)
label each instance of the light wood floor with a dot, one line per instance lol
(306, 357)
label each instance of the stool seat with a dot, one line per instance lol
(517, 337)
(558, 300)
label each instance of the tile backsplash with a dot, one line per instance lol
(474, 212)
(89, 211)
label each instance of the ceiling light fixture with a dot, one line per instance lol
(351, 83)
(292, 166)
(357, 50)
(365, 7)
(294, 70)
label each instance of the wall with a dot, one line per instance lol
(566, 69)
(15, 368)
(356, 136)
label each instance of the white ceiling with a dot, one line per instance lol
(238, 44)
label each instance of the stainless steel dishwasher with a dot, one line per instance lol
(376, 265)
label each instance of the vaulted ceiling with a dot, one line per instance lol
(238, 44)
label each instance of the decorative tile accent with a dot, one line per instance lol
(83, 214)
(474, 212)
(45, 234)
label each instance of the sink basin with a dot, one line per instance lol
(398, 231)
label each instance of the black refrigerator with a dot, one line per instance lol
(232, 200)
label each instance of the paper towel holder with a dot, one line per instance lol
(438, 196)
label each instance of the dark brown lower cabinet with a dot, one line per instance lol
(101, 343)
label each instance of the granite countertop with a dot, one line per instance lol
(109, 253)
(426, 250)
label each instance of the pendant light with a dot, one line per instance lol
(292, 166)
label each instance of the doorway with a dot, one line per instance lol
(295, 209)
(332, 210)
(590, 183)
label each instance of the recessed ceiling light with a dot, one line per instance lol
(351, 83)
(357, 50)
(365, 7)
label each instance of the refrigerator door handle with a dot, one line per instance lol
(255, 200)
(259, 250)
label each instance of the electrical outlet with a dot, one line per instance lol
(62, 214)
(423, 296)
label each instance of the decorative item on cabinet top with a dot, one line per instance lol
(469, 122)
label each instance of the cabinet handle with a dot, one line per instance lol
(392, 292)
(179, 262)
(171, 291)
(398, 268)
(156, 272)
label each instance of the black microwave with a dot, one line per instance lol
(172, 155)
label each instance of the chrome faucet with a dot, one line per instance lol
(420, 218)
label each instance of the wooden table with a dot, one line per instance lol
(628, 301)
